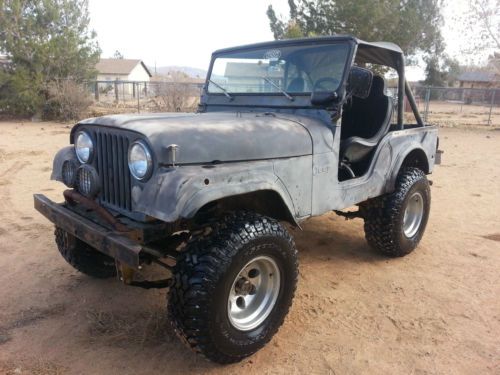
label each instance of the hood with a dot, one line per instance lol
(221, 136)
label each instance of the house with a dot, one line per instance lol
(479, 80)
(125, 71)
(247, 77)
(122, 70)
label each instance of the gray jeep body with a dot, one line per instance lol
(257, 152)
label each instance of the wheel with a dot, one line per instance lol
(83, 257)
(395, 223)
(233, 288)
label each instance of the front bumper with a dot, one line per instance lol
(107, 241)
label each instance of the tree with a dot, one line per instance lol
(46, 42)
(453, 70)
(441, 71)
(412, 24)
(118, 55)
(434, 76)
(479, 30)
(483, 23)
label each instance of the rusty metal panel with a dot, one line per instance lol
(110, 243)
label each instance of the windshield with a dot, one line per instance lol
(286, 70)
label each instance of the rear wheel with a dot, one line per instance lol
(84, 257)
(395, 223)
(233, 288)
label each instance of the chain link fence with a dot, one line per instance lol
(454, 106)
(444, 106)
(127, 96)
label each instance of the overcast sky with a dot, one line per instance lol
(185, 32)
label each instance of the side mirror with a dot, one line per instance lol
(321, 98)
(359, 82)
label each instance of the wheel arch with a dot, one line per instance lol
(267, 202)
(415, 157)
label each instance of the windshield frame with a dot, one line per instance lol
(275, 99)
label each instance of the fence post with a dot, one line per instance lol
(116, 91)
(133, 89)
(427, 99)
(491, 106)
(96, 91)
(138, 97)
(145, 89)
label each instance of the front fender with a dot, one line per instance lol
(66, 153)
(178, 193)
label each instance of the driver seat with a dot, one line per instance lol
(365, 122)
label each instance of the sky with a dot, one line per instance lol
(186, 32)
(179, 32)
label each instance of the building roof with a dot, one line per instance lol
(478, 77)
(119, 66)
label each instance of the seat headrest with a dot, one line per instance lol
(378, 86)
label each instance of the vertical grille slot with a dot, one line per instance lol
(112, 166)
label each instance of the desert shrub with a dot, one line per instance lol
(66, 100)
(176, 97)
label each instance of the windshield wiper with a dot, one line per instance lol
(288, 96)
(230, 97)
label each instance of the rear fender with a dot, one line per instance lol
(413, 150)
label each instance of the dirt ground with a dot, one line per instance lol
(436, 311)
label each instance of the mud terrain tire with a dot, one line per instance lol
(83, 257)
(387, 228)
(205, 275)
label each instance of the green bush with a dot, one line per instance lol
(19, 93)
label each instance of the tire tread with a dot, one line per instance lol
(199, 268)
(381, 215)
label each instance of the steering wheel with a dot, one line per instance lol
(331, 82)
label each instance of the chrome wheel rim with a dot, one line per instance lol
(414, 213)
(254, 293)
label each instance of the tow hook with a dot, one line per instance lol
(126, 275)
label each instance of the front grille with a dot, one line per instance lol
(112, 165)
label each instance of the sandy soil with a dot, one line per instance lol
(436, 311)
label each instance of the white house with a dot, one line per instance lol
(123, 70)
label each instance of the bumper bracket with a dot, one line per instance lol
(109, 242)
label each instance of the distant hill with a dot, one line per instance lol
(192, 72)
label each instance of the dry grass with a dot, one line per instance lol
(125, 328)
(456, 115)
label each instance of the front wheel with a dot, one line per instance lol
(84, 257)
(395, 223)
(233, 288)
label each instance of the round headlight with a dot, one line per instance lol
(68, 172)
(87, 181)
(84, 147)
(140, 162)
